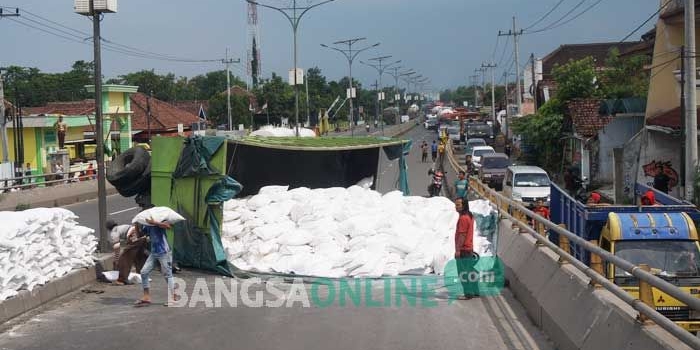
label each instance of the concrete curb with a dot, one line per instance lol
(560, 301)
(54, 196)
(26, 301)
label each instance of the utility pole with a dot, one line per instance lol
(534, 81)
(515, 34)
(505, 105)
(227, 61)
(683, 128)
(379, 100)
(308, 116)
(492, 67)
(479, 70)
(148, 115)
(691, 143)
(3, 120)
(99, 133)
(476, 93)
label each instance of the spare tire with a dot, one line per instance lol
(141, 185)
(128, 167)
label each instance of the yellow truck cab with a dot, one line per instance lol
(668, 243)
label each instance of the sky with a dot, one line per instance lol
(444, 40)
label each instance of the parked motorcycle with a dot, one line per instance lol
(581, 193)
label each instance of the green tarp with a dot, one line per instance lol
(195, 246)
(632, 105)
(195, 157)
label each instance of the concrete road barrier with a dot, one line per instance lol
(559, 300)
(52, 196)
(26, 301)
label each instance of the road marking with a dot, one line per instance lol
(123, 211)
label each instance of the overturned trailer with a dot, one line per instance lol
(195, 176)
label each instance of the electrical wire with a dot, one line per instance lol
(555, 25)
(503, 54)
(493, 55)
(77, 36)
(545, 15)
(647, 21)
(662, 66)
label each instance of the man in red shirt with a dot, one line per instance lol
(464, 247)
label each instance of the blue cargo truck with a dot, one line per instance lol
(663, 236)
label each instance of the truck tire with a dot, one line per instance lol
(142, 185)
(128, 167)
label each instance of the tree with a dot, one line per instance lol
(148, 81)
(625, 77)
(278, 95)
(542, 131)
(576, 79)
(218, 112)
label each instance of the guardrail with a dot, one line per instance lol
(523, 217)
(43, 182)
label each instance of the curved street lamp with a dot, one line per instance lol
(294, 15)
(350, 55)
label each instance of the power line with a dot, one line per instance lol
(493, 55)
(503, 54)
(545, 15)
(555, 25)
(647, 21)
(73, 35)
(662, 66)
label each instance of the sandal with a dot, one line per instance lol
(95, 291)
(175, 299)
(141, 303)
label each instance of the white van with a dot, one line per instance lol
(527, 184)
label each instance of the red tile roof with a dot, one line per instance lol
(164, 116)
(573, 52)
(83, 107)
(192, 106)
(670, 118)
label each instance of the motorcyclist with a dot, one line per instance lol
(471, 169)
(436, 182)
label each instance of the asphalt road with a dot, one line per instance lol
(109, 321)
(119, 208)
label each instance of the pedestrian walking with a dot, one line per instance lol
(434, 150)
(159, 252)
(464, 248)
(424, 150)
(461, 185)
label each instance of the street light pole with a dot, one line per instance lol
(294, 19)
(350, 55)
(104, 245)
(380, 69)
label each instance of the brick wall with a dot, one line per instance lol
(583, 114)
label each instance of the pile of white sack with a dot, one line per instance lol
(339, 232)
(271, 131)
(38, 245)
